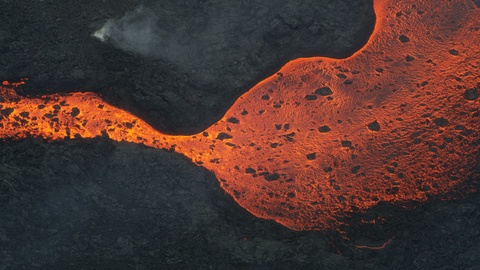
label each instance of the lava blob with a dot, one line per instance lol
(396, 122)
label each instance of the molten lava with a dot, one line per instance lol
(396, 122)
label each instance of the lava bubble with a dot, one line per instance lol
(324, 91)
(75, 111)
(233, 120)
(441, 122)
(453, 52)
(222, 136)
(471, 94)
(403, 39)
(346, 143)
(324, 129)
(374, 126)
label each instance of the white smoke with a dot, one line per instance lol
(103, 32)
(133, 32)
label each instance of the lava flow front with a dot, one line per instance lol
(396, 122)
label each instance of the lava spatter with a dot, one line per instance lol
(398, 121)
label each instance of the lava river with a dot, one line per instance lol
(396, 122)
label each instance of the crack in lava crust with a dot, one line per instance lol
(398, 121)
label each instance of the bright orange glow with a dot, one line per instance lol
(398, 121)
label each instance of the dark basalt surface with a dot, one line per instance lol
(179, 65)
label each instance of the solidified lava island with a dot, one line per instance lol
(396, 122)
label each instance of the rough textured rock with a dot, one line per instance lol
(197, 57)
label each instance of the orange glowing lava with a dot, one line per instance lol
(398, 121)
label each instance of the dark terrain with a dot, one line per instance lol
(97, 204)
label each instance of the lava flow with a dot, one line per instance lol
(396, 122)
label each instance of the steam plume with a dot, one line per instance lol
(134, 32)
